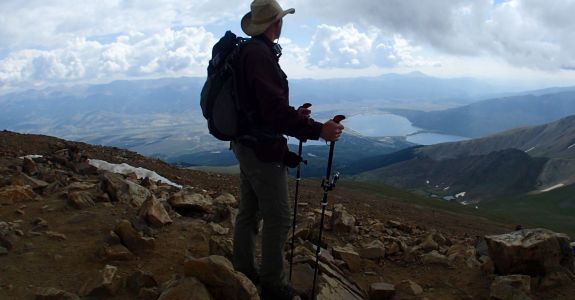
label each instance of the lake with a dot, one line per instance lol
(385, 124)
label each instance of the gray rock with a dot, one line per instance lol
(191, 202)
(80, 199)
(410, 287)
(226, 199)
(105, 284)
(14, 194)
(434, 257)
(349, 256)
(54, 294)
(189, 289)
(512, 287)
(342, 221)
(154, 212)
(141, 279)
(533, 252)
(132, 239)
(381, 291)
(121, 190)
(373, 250)
(223, 282)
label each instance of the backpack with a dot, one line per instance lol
(219, 99)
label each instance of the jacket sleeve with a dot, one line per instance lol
(264, 77)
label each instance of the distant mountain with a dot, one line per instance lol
(490, 116)
(517, 161)
(162, 118)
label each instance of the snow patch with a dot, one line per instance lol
(446, 188)
(126, 169)
(571, 146)
(31, 156)
(427, 181)
(553, 187)
(462, 194)
(311, 155)
(529, 149)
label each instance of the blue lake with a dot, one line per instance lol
(380, 125)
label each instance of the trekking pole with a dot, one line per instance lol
(297, 180)
(327, 184)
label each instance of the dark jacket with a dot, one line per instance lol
(264, 96)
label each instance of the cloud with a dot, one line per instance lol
(525, 33)
(348, 47)
(168, 53)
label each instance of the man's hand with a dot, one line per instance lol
(304, 110)
(331, 131)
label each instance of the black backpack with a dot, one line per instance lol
(219, 99)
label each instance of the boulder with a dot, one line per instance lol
(132, 239)
(302, 277)
(105, 284)
(349, 256)
(381, 291)
(332, 289)
(221, 245)
(534, 252)
(226, 199)
(153, 212)
(121, 190)
(342, 221)
(80, 199)
(190, 204)
(434, 258)
(22, 179)
(373, 250)
(218, 229)
(139, 280)
(410, 287)
(218, 275)
(115, 252)
(29, 166)
(14, 194)
(54, 294)
(56, 235)
(512, 287)
(187, 289)
(429, 244)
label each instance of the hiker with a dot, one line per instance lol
(262, 150)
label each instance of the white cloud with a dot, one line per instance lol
(526, 33)
(169, 53)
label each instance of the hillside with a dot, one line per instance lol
(487, 117)
(74, 220)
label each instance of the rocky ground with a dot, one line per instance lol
(69, 230)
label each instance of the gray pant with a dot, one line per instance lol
(264, 193)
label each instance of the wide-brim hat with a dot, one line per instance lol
(263, 14)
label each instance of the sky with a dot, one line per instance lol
(54, 42)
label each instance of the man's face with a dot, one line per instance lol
(279, 28)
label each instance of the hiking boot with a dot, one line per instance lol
(284, 292)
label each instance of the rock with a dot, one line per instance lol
(154, 212)
(149, 184)
(332, 289)
(149, 293)
(80, 199)
(410, 287)
(56, 235)
(141, 279)
(218, 274)
(121, 190)
(191, 204)
(223, 246)
(105, 284)
(342, 221)
(132, 239)
(381, 291)
(3, 251)
(429, 244)
(54, 294)
(434, 257)
(534, 252)
(39, 224)
(218, 229)
(302, 277)
(226, 199)
(555, 279)
(398, 225)
(14, 194)
(487, 266)
(115, 253)
(351, 258)
(29, 166)
(373, 250)
(512, 287)
(188, 289)
(21, 179)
